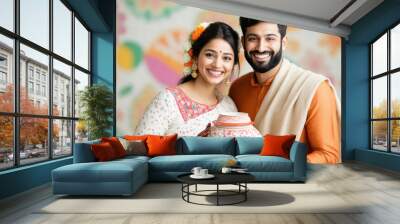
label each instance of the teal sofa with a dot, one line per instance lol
(125, 176)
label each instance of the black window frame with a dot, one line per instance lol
(16, 115)
(388, 74)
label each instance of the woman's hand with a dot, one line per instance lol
(206, 131)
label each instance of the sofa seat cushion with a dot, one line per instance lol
(185, 163)
(257, 163)
(112, 171)
(133, 158)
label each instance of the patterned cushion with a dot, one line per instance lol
(134, 147)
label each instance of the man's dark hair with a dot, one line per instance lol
(247, 22)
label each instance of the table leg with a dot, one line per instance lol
(217, 194)
(182, 190)
(245, 191)
(196, 188)
(188, 190)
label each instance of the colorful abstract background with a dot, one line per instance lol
(151, 36)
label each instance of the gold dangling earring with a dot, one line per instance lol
(194, 70)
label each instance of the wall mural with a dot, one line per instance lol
(151, 35)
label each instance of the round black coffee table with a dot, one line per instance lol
(238, 179)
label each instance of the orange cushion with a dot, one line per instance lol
(161, 145)
(116, 145)
(135, 137)
(103, 151)
(277, 145)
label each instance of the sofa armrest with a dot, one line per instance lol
(298, 155)
(83, 152)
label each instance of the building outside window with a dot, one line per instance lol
(385, 91)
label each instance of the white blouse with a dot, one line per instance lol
(172, 111)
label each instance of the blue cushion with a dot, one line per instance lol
(185, 163)
(205, 145)
(83, 153)
(257, 163)
(249, 145)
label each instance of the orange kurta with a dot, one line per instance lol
(321, 130)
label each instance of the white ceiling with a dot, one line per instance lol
(326, 16)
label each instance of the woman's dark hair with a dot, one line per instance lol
(247, 22)
(213, 31)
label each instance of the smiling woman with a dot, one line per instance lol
(188, 108)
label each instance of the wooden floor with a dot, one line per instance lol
(377, 188)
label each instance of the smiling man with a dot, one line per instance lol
(282, 98)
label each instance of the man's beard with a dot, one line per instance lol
(264, 67)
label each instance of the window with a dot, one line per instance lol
(385, 94)
(34, 21)
(37, 75)
(62, 29)
(30, 72)
(7, 74)
(62, 143)
(3, 72)
(7, 14)
(81, 81)
(38, 89)
(3, 61)
(7, 143)
(55, 101)
(3, 78)
(81, 45)
(62, 75)
(54, 125)
(44, 91)
(30, 87)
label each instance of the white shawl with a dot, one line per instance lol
(285, 107)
